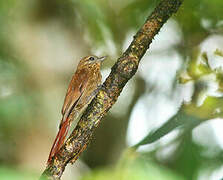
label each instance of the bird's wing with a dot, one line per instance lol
(74, 93)
(75, 90)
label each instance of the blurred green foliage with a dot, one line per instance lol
(133, 166)
(30, 88)
(9, 174)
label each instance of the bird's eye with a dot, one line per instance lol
(91, 58)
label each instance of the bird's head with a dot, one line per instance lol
(90, 60)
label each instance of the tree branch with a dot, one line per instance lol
(123, 70)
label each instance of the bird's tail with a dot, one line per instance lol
(58, 142)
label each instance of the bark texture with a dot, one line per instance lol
(123, 70)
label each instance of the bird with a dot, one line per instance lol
(81, 90)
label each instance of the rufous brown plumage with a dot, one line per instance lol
(81, 90)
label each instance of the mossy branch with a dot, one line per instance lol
(122, 71)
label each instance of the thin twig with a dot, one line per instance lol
(123, 70)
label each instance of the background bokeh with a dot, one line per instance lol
(171, 110)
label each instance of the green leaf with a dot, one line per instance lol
(181, 119)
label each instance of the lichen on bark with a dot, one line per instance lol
(123, 70)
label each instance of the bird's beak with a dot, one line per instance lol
(102, 58)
